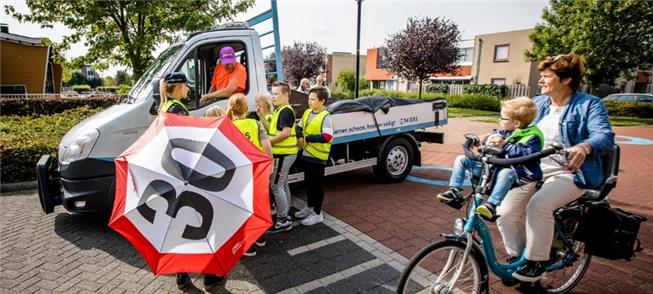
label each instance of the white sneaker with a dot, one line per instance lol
(306, 211)
(312, 219)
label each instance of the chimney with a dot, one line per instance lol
(4, 28)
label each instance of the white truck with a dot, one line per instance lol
(378, 132)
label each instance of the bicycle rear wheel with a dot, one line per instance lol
(565, 279)
(432, 270)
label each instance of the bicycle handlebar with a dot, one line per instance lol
(507, 161)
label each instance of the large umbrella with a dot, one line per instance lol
(192, 195)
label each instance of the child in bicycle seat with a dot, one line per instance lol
(518, 138)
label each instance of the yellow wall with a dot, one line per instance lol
(23, 65)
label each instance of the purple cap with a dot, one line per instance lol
(227, 55)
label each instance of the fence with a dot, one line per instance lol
(517, 91)
(511, 91)
(55, 96)
(455, 89)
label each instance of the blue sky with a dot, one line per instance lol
(332, 23)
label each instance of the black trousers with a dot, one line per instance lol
(314, 180)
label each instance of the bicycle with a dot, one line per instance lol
(457, 264)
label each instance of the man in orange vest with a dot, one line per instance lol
(229, 77)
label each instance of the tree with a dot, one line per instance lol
(425, 46)
(77, 78)
(123, 32)
(110, 81)
(95, 82)
(302, 60)
(345, 81)
(123, 78)
(614, 37)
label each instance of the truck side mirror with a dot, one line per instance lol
(156, 91)
(156, 95)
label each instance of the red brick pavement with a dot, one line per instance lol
(405, 216)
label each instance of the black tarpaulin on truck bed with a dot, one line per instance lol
(373, 104)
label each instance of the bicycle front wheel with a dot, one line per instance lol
(433, 268)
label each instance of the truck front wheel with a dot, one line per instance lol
(396, 161)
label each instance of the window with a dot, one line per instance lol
(626, 98)
(499, 81)
(13, 89)
(382, 59)
(199, 64)
(378, 84)
(501, 52)
(89, 73)
(466, 55)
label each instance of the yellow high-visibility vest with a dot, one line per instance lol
(171, 102)
(318, 150)
(249, 128)
(288, 145)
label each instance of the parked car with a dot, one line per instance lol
(630, 97)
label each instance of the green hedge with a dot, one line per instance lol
(23, 139)
(47, 106)
(486, 89)
(629, 109)
(474, 101)
(437, 88)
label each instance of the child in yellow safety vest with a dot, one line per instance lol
(284, 148)
(172, 89)
(315, 133)
(251, 128)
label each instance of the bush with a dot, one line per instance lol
(24, 139)
(474, 101)
(47, 106)
(81, 88)
(486, 89)
(629, 109)
(123, 89)
(345, 81)
(437, 88)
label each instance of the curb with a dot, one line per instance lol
(20, 186)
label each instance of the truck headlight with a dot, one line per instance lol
(80, 147)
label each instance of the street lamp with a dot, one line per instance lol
(358, 48)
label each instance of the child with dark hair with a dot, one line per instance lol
(314, 133)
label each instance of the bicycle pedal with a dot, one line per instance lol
(457, 203)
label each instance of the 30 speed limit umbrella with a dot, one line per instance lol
(191, 195)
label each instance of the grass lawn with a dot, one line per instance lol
(620, 121)
(466, 112)
(492, 117)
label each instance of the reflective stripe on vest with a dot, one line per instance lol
(249, 128)
(314, 127)
(288, 145)
(170, 102)
(524, 135)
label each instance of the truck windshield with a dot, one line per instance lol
(142, 88)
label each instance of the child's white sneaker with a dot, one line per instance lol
(306, 211)
(312, 219)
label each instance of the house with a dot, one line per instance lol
(376, 71)
(339, 61)
(499, 59)
(27, 65)
(89, 72)
(463, 72)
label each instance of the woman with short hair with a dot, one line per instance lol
(580, 123)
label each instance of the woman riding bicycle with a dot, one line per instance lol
(579, 122)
